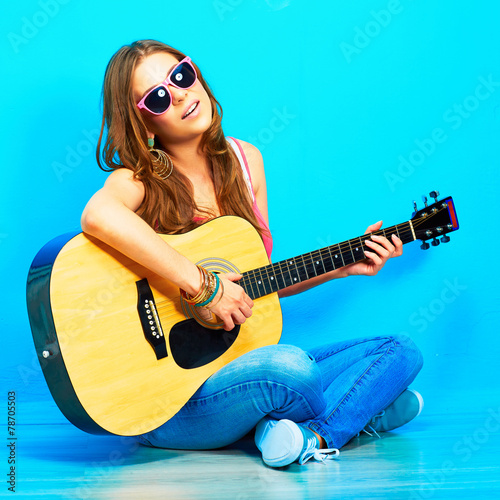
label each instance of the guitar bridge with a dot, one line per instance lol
(150, 321)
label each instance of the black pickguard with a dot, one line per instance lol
(192, 345)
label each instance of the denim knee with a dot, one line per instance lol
(290, 366)
(410, 354)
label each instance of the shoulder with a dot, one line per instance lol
(122, 184)
(124, 176)
(251, 152)
(255, 163)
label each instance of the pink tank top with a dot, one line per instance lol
(266, 236)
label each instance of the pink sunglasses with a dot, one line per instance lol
(159, 99)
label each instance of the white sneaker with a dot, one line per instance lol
(283, 442)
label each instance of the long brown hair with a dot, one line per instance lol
(168, 205)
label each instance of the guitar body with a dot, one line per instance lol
(85, 314)
(122, 352)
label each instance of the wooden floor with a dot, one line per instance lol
(436, 456)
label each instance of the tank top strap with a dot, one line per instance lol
(243, 163)
(266, 237)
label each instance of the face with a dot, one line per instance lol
(190, 112)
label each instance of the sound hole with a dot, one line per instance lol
(192, 345)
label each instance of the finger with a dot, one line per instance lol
(383, 242)
(374, 227)
(238, 318)
(228, 323)
(247, 311)
(233, 276)
(379, 249)
(398, 245)
(374, 257)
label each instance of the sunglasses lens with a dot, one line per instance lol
(158, 100)
(183, 76)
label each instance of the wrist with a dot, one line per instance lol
(206, 292)
(339, 273)
(195, 282)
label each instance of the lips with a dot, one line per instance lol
(193, 106)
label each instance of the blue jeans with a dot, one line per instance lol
(334, 390)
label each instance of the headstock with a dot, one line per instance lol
(434, 221)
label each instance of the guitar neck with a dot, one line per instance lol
(274, 277)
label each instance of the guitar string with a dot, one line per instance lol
(255, 278)
(347, 244)
(252, 279)
(325, 252)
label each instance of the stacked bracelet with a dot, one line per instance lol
(213, 294)
(212, 304)
(209, 287)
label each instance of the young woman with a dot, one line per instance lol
(172, 169)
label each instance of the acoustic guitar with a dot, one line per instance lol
(120, 349)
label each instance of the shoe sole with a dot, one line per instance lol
(420, 401)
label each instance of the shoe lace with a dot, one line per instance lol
(372, 421)
(369, 433)
(312, 451)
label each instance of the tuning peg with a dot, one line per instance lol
(445, 239)
(424, 245)
(424, 199)
(435, 242)
(434, 194)
(415, 206)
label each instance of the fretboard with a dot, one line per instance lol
(274, 277)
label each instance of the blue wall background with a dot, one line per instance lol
(358, 108)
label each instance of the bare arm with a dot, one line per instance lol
(110, 216)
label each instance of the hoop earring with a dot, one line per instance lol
(163, 165)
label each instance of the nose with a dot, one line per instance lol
(178, 95)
